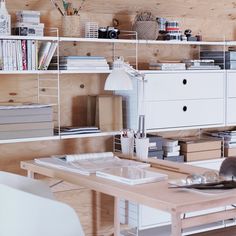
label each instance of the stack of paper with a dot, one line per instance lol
(88, 163)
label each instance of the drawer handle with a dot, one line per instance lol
(184, 81)
(185, 108)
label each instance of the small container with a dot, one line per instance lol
(127, 145)
(142, 145)
(70, 26)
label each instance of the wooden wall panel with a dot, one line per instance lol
(214, 20)
(12, 154)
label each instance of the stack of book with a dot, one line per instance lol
(79, 63)
(166, 66)
(224, 59)
(229, 138)
(76, 130)
(172, 150)
(28, 24)
(155, 146)
(201, 65)
(26, 121)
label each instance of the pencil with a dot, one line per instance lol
(58, 8)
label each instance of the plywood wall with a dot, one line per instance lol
(214, 20)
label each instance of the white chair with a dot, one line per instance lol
(26, 214)
(25, 184)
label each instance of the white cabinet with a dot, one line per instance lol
(183, 99)
(231, 98)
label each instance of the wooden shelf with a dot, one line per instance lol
(20, 140)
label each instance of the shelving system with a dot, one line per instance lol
(58, 72)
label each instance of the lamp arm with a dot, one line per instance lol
(133, 72)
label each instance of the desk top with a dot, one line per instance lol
(156, 195)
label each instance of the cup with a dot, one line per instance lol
(127, 145)
(142, 145)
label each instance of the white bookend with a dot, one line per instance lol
(5, 58)
(49, 55)
(43, 52)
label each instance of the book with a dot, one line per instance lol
(24, 54)
(131, 175)
(49, 56)
(42, 54)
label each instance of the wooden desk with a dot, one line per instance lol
(156, 195)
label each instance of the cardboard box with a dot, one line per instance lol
(197, 145)
(202, 155)
(230, 152)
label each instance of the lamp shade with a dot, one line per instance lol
(118, 79)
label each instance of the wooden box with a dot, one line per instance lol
(202, 155)
(230, 152)
(199, 144)
(105, 112)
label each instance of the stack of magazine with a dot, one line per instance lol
(105, 165)
(69, 130)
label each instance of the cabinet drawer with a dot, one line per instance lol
(170, 114)
(231, 85)
(231, 111)
(172, 86)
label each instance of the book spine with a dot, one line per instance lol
(24, 54)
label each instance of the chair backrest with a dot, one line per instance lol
(27, 214)
(25, 184)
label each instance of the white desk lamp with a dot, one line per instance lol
(120, 77)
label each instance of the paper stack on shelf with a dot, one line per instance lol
(28, 24)
(76, 130)
(229, 138)
(26, 121)
(80, 63)
(87, 164)
(166, 66)
(131, 175)
(201, 65)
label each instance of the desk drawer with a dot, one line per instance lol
(170, 114)
(172, 86)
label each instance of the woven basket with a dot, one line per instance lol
(146, 29)
(70, 26)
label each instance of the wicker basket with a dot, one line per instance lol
(70, 26)
(146, 29)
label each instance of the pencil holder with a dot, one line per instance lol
(127, 145)
(142, 145)
(70, 26)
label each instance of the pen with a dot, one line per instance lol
(58, 8)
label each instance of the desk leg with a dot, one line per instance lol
(30, 174)
(176, 224)
(116, 217)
